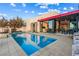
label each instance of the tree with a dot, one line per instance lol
(3, 22)
(16, 23)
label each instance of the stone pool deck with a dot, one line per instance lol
(61, 47)
(8, 47)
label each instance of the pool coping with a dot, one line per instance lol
(18, 48)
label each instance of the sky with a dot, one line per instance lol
(30, 10)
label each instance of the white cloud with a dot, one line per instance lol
(45, 5)
(26, 11)
(71, 8)
(42, 5)
(55, 4)
(3, 14)
(32, 12)
(57, 10)
(49, 10)
(65, 8)
(23, 4)
(12, 4)
(40, 13)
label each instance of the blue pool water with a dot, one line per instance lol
(40, 41)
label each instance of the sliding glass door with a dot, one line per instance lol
(51, 26)
(74, 26)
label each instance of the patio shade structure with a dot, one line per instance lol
(58, 16)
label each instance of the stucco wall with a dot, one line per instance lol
(35, 19)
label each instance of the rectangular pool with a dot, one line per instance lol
(31, 43)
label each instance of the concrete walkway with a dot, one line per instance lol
(8, 47)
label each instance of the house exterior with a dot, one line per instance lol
(53, 22)
(35, 25)
(23, 29)
(28, 24)
(62, 23)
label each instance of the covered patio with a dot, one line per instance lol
(66, 23)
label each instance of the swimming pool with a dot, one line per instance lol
(31, 43)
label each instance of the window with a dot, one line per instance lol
(73, 25)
